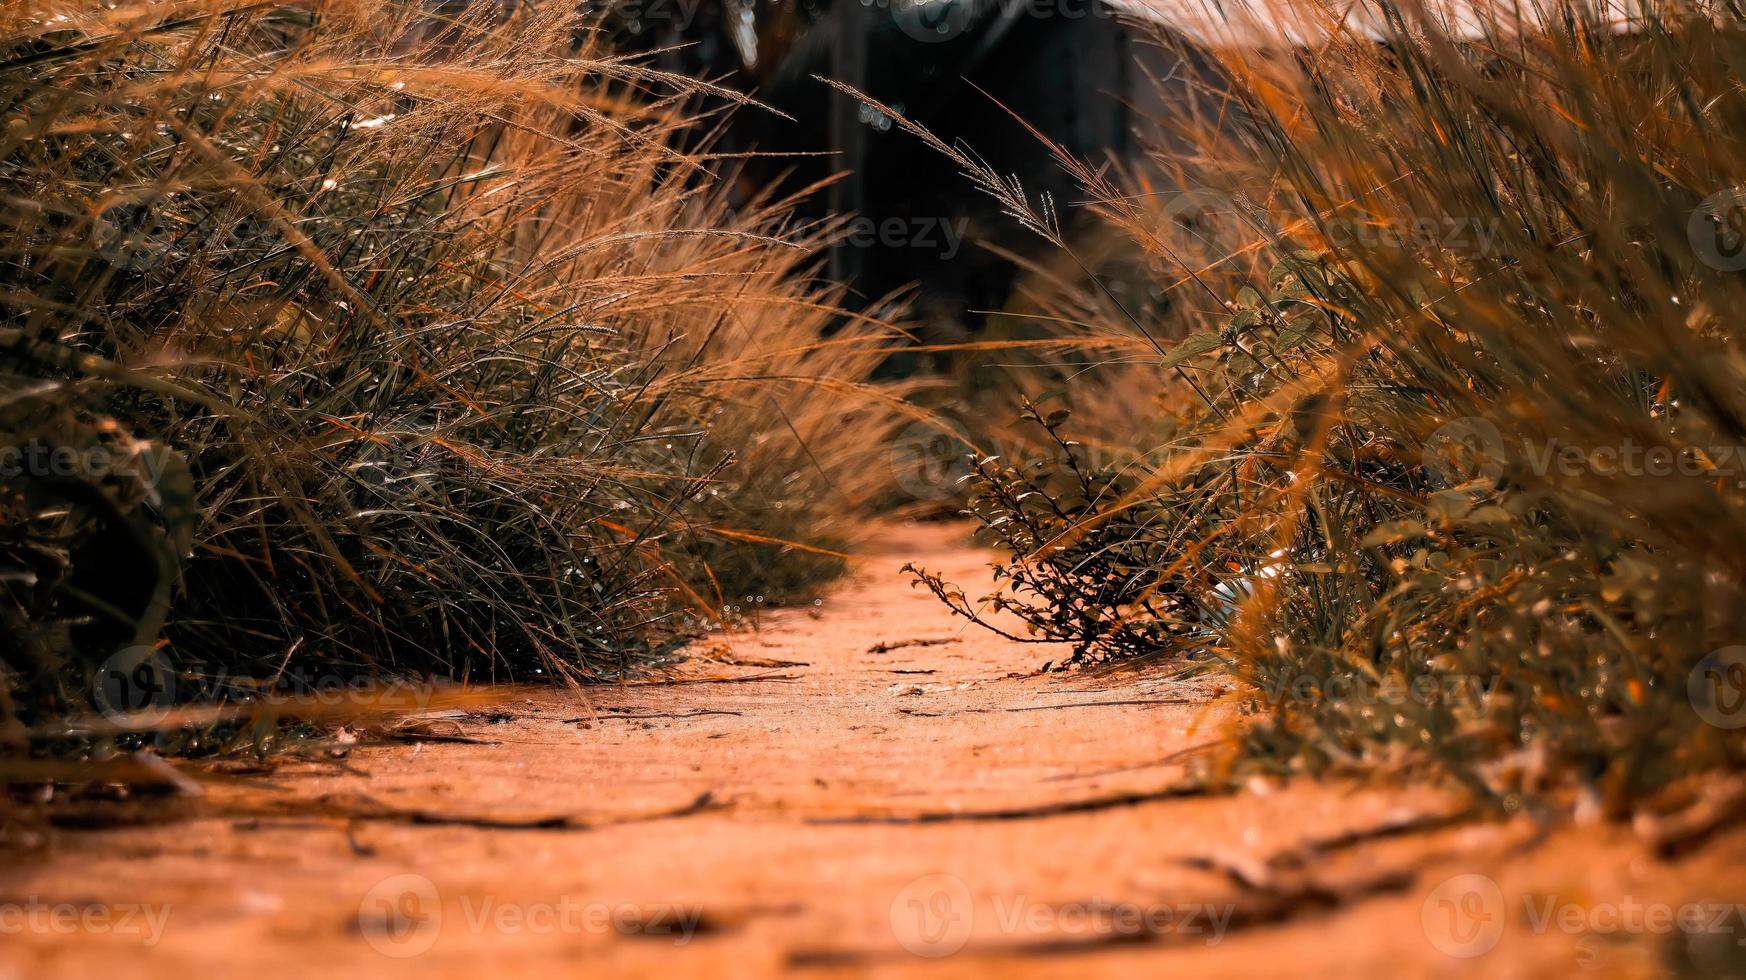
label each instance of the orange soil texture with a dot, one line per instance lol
(852, 802)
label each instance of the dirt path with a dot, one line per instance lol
(840, 808)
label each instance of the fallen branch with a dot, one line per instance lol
(890, 645)
(1250, 911)
(1681, 833)
(739, 679)
(1103, 704)
(365, 808)
(1052, 809)
(659, 714)
(759, 662)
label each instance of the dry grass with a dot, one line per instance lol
(404, 344)
(1411, 270)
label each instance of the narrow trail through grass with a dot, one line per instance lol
(848, 786)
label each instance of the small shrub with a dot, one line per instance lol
(366, 341)
(1464, 283)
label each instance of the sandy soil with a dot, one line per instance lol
(841, 809)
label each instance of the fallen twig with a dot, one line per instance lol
(1683, 832)
(890, 645)
(659, 714)
(365, 808)
(1252, 910)
(413, 737)
(1051, 809)
(731, 679)
(1103, 704)
(759, 662)
(1301, 855)
(1173, 757)
(918, 713)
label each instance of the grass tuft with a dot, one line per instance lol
(1444, 456)
(355, 340)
